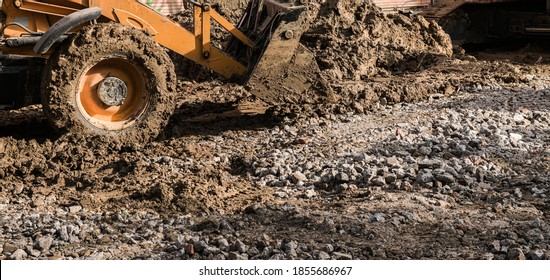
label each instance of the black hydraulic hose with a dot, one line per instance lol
(63, 26)
(33, 33)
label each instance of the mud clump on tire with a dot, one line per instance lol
(109, 50)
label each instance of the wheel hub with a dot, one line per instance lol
(112, 91)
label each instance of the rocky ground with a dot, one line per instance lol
(444, 160)
(458, 176)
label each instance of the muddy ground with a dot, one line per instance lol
(429, 152)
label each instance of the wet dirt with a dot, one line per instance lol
(366, 57)
(202, 168)
(354, 40)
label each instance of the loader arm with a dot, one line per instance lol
(194, 44)
(34, 18)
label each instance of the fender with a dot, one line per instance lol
(63, 26)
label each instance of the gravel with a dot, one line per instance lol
(458, 177)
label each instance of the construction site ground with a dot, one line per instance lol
(426, 152)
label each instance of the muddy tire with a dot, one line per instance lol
(110, 81)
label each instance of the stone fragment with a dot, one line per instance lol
(253, 251)
(63, 233)
(445, 178)
(237, 256)
(328, 248)
(19, 254)
(190, 249)
(201, 246)
(426, 151)
(519, 118)
(515, 254)
(43, 243)
(322, 255)
(378, 181)
(240, 246)
(400, 173)
(310, 193)
(495, 246)
(515, 138)
(33, 252)
(342, 177)
(390, 178)
(298, 177)
(277, 257)
(75, 208)
(424, 178)
(429, 163)
(377, 217)
(10, 248)
(342, 256)
(226, 226)
(518, 193)
(223, 243)
(536, 254)
(392, 161)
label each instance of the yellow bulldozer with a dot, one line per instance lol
(100, 67)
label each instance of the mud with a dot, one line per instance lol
(161, 176)
(363, 56)
(201, 164)
(354, 41)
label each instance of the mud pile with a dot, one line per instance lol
(354, 43)
(360, 50)
(365, 57)
(353, 40)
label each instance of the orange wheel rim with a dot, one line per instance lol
(112, 117)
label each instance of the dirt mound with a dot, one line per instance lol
(354, 40)
(357, 49)
(366, 58)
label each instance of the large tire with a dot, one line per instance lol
(141, 69)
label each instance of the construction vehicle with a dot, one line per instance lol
(478, 23)
(101, 68)
(492, 22)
